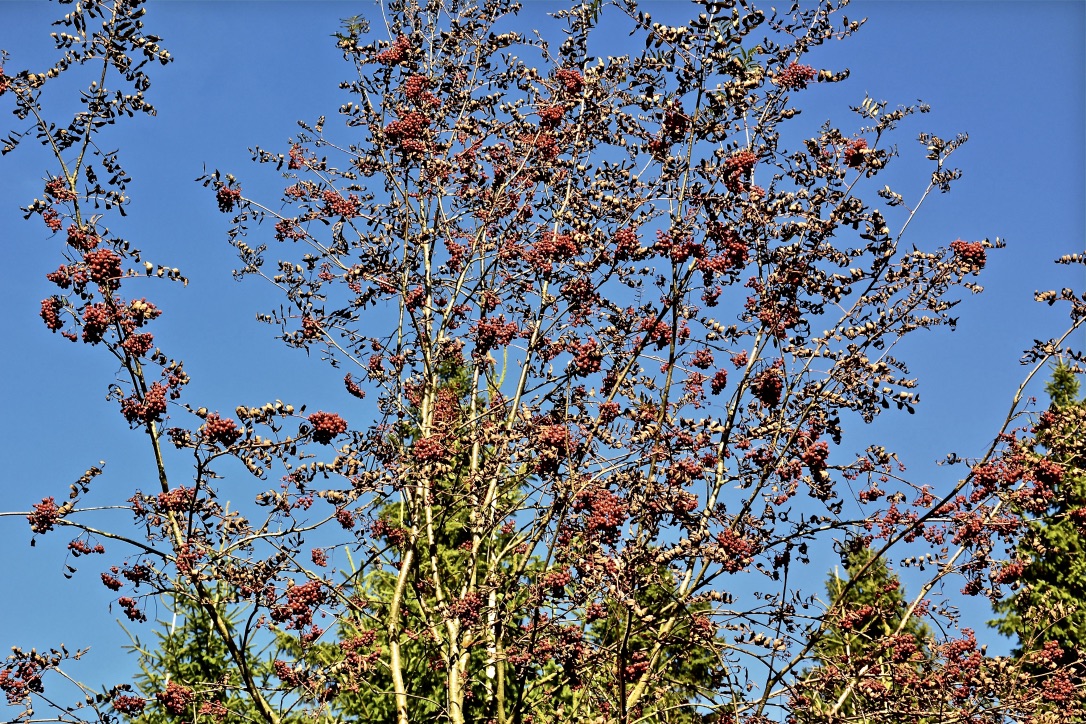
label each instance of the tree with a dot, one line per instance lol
(188, 651)
(665, 314)
(1048, 573)
(873, 637)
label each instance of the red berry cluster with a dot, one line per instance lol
(595, 611)
(45, 515)
(311, 328)
(176, 698)
(298, 609)
(635, 665)
(80, 547)
(336, 205)
(417, 89)
(609, 412)
(545, 144)
(5, 82)
(326, 425)
(683, 471)
(411, 132)
(587, 357)
(296, 191)
(394, 534)
(297, 157)
(319, 557)
(736, 551)
(550, 116)
(137, 574)
(291, 677)
(603, 515)
(221, 429)
(82, 238)
(572, 81)
(52, 219)
(352, 387)
(138, 345)
(131, 705)
(702, 359)
(856, 153)
(138, 313)
(186, 559)
(1009, 572)
(111, 582)
(50, 312)
(767, 387)
(552, 443)
(678, 249)
(396, 53)
(345, 518)
(491, 333)
(731, 251)
(228, 197)
(131, 609)
(18, 679)
(429, 450)
(354, 658)
(214, 709)
(738, 168)
(658, 331)
(814, 457)
(719, 382)
(468, 609)
(627, 247)
(672, 130)
(150, 409)
(795, 76)
(288, 229)
(555, 247)
(969, 252)
(59, 190)
(675, 124)
(96, 321)
(104, 268)
(178, 500)
(776, 315)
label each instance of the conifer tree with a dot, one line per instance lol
(188, 653)
(1047, 611)
(873, 642)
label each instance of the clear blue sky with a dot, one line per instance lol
(1011, 74)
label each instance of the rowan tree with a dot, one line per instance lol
(667, 308)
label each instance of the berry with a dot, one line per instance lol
(969, 252)
(326, 425)
(104, 268)
(221, 429)
(227, 198)
(856, 153)
(176, 698)
(396, 53)
(795, 76)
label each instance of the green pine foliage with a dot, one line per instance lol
(188, 651)
(1049, 603)
(872, 643)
